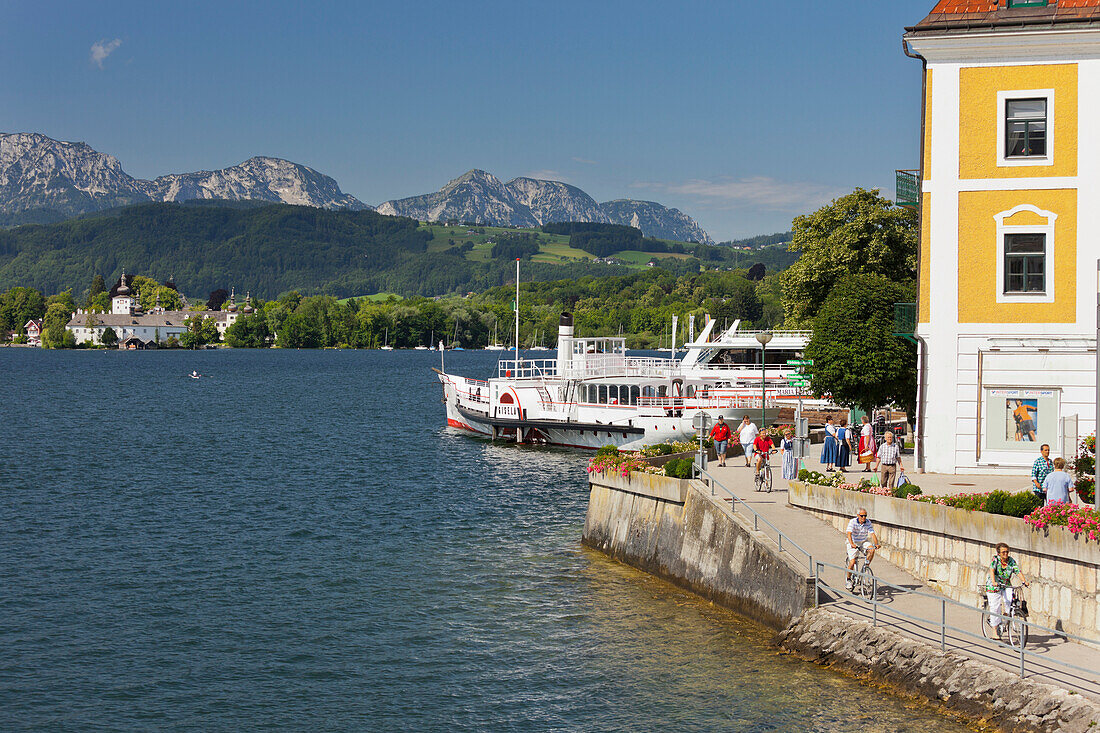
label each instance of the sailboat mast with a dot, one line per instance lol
(517, 309)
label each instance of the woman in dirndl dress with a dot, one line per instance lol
(866, 445)
(790, 469)
(844, 449)
(829, 450)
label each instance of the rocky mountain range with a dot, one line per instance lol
(44, 180)
(480, 197)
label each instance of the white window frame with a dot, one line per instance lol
(1047, 296)
(1003, 98)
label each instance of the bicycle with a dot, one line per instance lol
(763, 478)
(863, 584)
(1013, 619)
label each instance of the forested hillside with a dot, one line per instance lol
(273, 249)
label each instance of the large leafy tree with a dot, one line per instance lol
(857, 359)
(19, 305)
(53, 325)
(200, 331)
(861, 233)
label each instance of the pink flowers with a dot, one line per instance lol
(621, 464)
(1077, 519)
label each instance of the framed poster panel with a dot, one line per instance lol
(1016, 422)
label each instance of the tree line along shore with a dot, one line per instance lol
(856, 258)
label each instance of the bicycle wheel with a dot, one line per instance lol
(767, 478)
(987, 630)
(1017, 632)
(867, 583)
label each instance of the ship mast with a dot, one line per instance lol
(516, 308)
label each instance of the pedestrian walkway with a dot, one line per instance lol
(826, 544)
(938, 484)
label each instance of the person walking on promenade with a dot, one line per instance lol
(1040, 469)
(999, 591)
(866, 445)
(786, 448)
(720, 434)
(844, 445)
(889, 457)
(829, 448)
(746, 434)
(1057, 484)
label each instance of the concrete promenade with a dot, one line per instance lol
(827, 545)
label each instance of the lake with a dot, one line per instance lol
(296, 541)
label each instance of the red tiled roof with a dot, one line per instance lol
(988, 6)
(977, 14)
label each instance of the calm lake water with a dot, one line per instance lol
(295, 542)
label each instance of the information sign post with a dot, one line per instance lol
(701, 422)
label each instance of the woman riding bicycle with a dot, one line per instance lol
(1000, 591)
(761, 447)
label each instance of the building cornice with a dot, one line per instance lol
(1047, 45)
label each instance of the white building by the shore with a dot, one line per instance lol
(1009, 189)
(128, 321)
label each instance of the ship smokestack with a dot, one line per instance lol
(565, 344)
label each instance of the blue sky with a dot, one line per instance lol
(741, 114)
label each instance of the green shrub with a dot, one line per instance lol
(608, 450)
(1021, 504)
(679, 468)
(995, 503)
(902, 492)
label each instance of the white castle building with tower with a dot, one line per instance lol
(137, 329)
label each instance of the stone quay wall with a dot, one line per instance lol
(950, 549)
(675, 529)
(973, 688)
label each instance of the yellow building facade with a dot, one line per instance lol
(1010, 230)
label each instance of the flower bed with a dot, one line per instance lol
(1077, 519)
(1023, 505)
(610, 459)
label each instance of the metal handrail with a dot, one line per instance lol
(757, 518)
(942, 623)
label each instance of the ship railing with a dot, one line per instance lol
(528, 369)
(590, 367)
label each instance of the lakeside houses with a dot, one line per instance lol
(137, 329)
(33, 329)
(1009, 230)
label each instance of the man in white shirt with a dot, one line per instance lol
(746, 434)
(860, 534)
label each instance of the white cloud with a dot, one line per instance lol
(586, 161)
(547, 175)
(102, 49)
(760, 192)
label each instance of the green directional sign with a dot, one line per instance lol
(799, 377)
(800, 362)
(799, 383)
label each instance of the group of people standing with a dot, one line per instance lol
(1050, 480)
(754, 444)
(842, 442)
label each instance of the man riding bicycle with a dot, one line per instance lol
(999, 591)
(860, 535)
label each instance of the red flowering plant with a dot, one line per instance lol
(1077, 519)
(621, 463)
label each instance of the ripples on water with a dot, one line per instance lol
(295, 542)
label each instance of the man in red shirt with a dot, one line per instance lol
(760, 448)
(720, 433)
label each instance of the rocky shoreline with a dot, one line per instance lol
(980, 691)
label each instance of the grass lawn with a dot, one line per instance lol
(377, 297)
(634, 258)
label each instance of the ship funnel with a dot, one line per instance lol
(565, 344)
